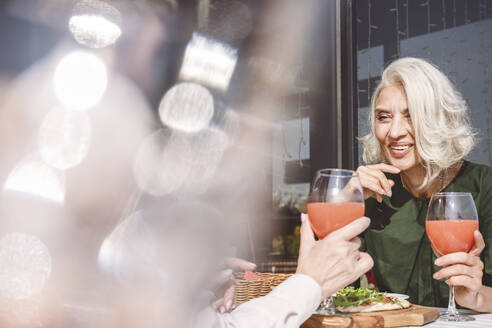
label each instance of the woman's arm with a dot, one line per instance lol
(324, 267)
(484, 300)
(288, 305)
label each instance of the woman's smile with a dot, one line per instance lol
(399, 150)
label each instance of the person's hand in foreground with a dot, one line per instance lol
(334, 261)
(464, 271)
(223, 285)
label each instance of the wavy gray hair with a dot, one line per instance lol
(443, 132)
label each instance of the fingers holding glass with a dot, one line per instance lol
(451, 225)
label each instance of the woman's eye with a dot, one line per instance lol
(382, 117)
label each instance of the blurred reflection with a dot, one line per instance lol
(37, 179)
(275, 72)
(231, 125)
(38, 260)
(146, 207)
(162, 266)
(126, 243)
(208, 147)
(208, 62)
(141, 247)
(179, 164)
(187, 107)
(96, 149)
(25, 266)
(64, 138)
(95, 23)
(80, 80)
(21, 313)
(163, 162)
(226, 20)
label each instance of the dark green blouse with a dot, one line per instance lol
(396, 239)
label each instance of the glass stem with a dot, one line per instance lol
(452, 305)
(330, 307)
(326, 307)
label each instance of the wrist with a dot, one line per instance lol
(484, 300)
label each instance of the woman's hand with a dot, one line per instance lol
(374, 181)
(334, 261)
(464, 271)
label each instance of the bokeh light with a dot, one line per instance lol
(163, 162)
(37, 179)
(208, 62)
(21, 313)
(25, 266)
(208, 147)
(178, 163)
(64, 138)
(95, 24)
(80, 80)
(187, 107)
(153, 245)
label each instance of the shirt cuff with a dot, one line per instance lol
(302, 292)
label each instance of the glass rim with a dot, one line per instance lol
(337, 172)
(452, 193)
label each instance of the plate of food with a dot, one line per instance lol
(363, 300)
(401, 296)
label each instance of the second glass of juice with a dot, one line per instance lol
(450, 225)
(336, 199)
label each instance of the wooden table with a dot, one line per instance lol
(400, 320)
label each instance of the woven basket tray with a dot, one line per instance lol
(249, 289)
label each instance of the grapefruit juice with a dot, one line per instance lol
(328, 217)
(450, 236)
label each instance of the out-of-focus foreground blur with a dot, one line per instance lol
(136, 152)
(143, 142)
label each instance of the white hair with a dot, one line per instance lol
(439, 114)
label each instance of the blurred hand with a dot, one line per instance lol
(374, 181)
(223, 285)
(464, 271)
(334, 261)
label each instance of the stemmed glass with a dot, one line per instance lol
(336, 199)
(451, 221)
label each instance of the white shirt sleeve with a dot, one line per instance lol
(288, 305)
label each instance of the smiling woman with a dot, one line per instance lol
(416, 106)
(420, 134)
(394, 129)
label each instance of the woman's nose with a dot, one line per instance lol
(399, 128)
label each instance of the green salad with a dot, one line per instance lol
(351, 296)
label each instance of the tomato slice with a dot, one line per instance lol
(250, 275)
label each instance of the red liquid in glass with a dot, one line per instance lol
(450, 236)
(328, 217)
